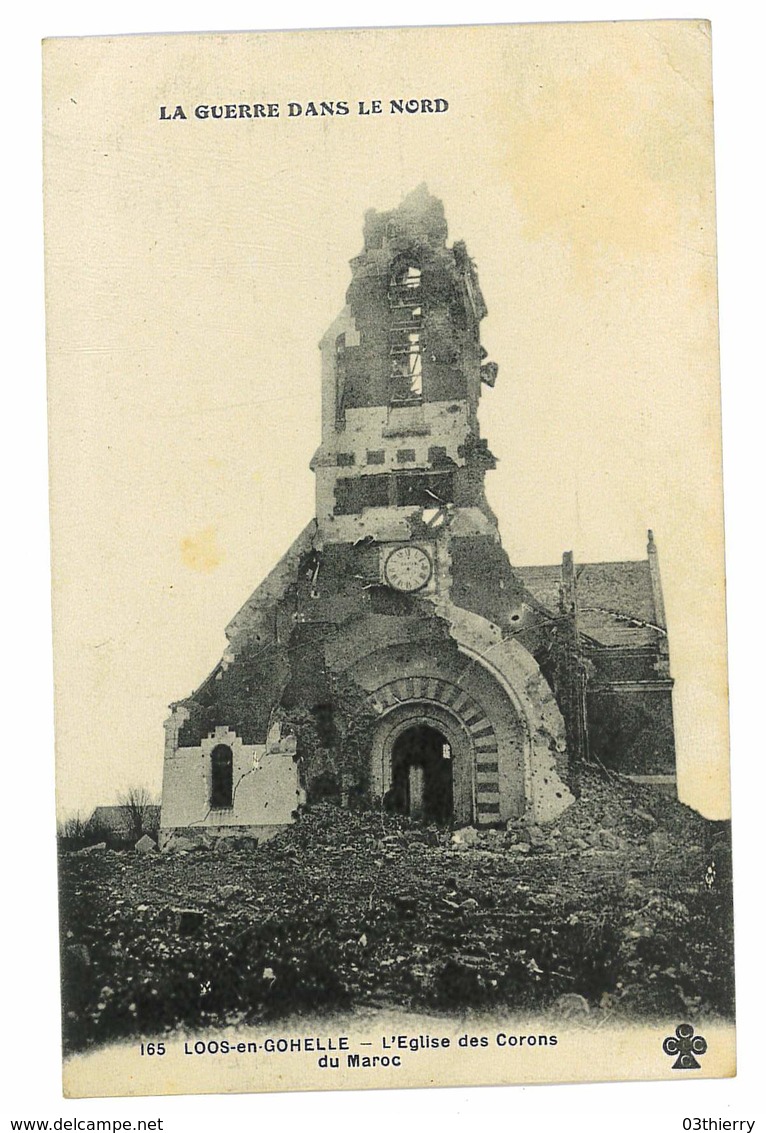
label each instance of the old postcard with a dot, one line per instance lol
(387, 558)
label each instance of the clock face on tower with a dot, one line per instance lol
(408, 568)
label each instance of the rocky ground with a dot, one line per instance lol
(622, 908)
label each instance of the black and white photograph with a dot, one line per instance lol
(386, 509)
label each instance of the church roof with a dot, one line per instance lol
(273, 586)
(616, 603)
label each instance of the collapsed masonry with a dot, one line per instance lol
(394, 657)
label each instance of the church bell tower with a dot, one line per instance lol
(389, 659)
(402, 460)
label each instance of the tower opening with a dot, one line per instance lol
(421, 775)
(406, 304)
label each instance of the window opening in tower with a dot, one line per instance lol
(406, 334)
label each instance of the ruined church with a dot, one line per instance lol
(394, 658)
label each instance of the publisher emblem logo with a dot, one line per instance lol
(686, 1045)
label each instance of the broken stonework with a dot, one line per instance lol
(79, 955)
(536, 836)
(394, 658)
(186, 922)
(179, 842)
(571, 1006)
(145, 845)
(659, 842)
(468, 836)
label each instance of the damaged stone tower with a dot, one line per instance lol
(394, 658)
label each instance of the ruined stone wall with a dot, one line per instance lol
(379, 438)
(343, 656)
(396, 467)
(415, 233)
(332, 617)
(266, 787)
(630, 729)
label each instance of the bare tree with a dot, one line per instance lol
(71, 832)
(72, 827)
(139, 808)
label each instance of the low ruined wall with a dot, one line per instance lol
(210, 837)
(266, 787)
(631, 729)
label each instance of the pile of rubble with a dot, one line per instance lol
(622, 905)
(611, 814)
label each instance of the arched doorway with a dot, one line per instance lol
(424, 727)
(421, 775)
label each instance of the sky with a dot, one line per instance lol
(192, 267)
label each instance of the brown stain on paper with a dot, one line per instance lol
(201, 552)
(601, 162)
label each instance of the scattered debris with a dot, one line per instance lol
(346, 908)
(467, 836)
(188, 921)
(570, 1006)
(180, 842)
